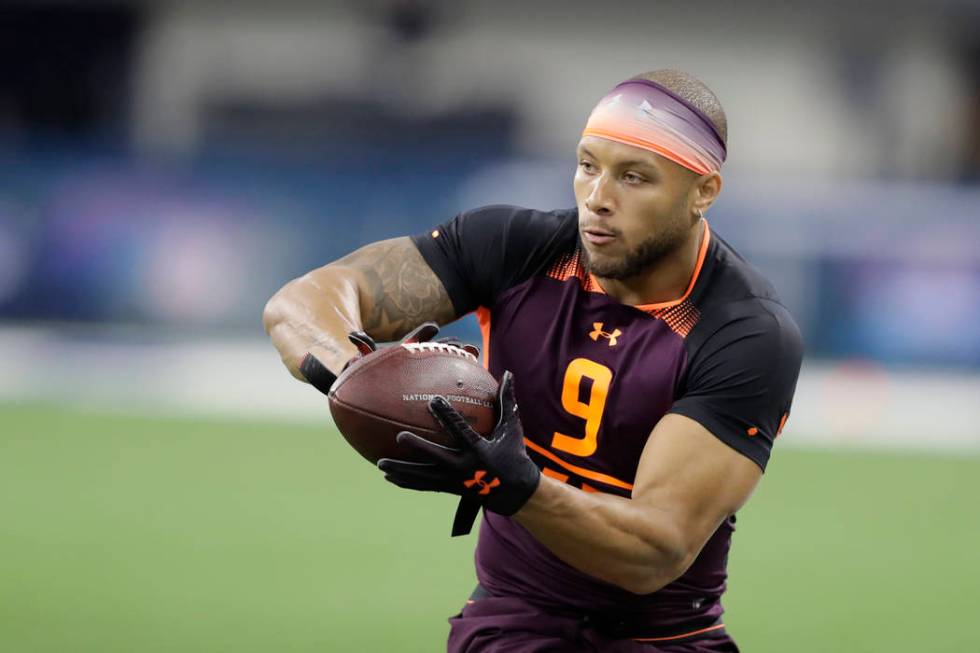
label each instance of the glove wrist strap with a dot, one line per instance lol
(466, 512)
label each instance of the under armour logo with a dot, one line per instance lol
(597, 333)
(478, 480)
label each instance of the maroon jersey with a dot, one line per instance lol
(593, 377)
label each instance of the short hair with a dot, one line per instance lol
(694, 91)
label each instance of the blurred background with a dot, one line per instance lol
(166, 166)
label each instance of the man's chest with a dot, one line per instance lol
(593, 377)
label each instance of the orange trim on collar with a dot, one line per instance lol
(702, 254)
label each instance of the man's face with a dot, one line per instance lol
(632, 207)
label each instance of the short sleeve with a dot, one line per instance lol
(480, 253)
(741, 379)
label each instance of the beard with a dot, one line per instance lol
(637, 260)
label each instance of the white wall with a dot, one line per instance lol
(816, 88)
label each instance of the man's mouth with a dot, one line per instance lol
(598, 236)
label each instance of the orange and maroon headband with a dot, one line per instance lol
(644, 114)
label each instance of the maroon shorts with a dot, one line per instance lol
(504, 624)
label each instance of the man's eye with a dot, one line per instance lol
(586, 166)
(632, 178)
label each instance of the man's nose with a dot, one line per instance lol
(601, 200)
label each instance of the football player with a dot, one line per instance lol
(646, 370)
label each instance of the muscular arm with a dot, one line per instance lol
(385, 289)
(687, 483)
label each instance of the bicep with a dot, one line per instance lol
(693, 478)
(397, 290)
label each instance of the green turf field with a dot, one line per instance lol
(129, 534)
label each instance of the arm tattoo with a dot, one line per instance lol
(398, 290)
(328, 343)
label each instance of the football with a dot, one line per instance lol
(389, 391)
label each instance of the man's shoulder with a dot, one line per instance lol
(519, 218)
(734, 278)
(520, 238)
(738, 293)
(482, 252)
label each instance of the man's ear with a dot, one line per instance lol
(706, 190)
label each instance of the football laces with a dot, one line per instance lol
(440, 347)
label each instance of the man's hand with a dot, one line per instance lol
(494, 472)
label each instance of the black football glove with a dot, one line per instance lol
(495, 473)
(322, 379)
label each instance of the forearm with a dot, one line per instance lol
(313, 314)
(612, 538)
(385, 289)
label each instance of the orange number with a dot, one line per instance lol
(590, 411)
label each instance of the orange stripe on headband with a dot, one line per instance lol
(646, 115)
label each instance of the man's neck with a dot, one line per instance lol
(666, 281)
